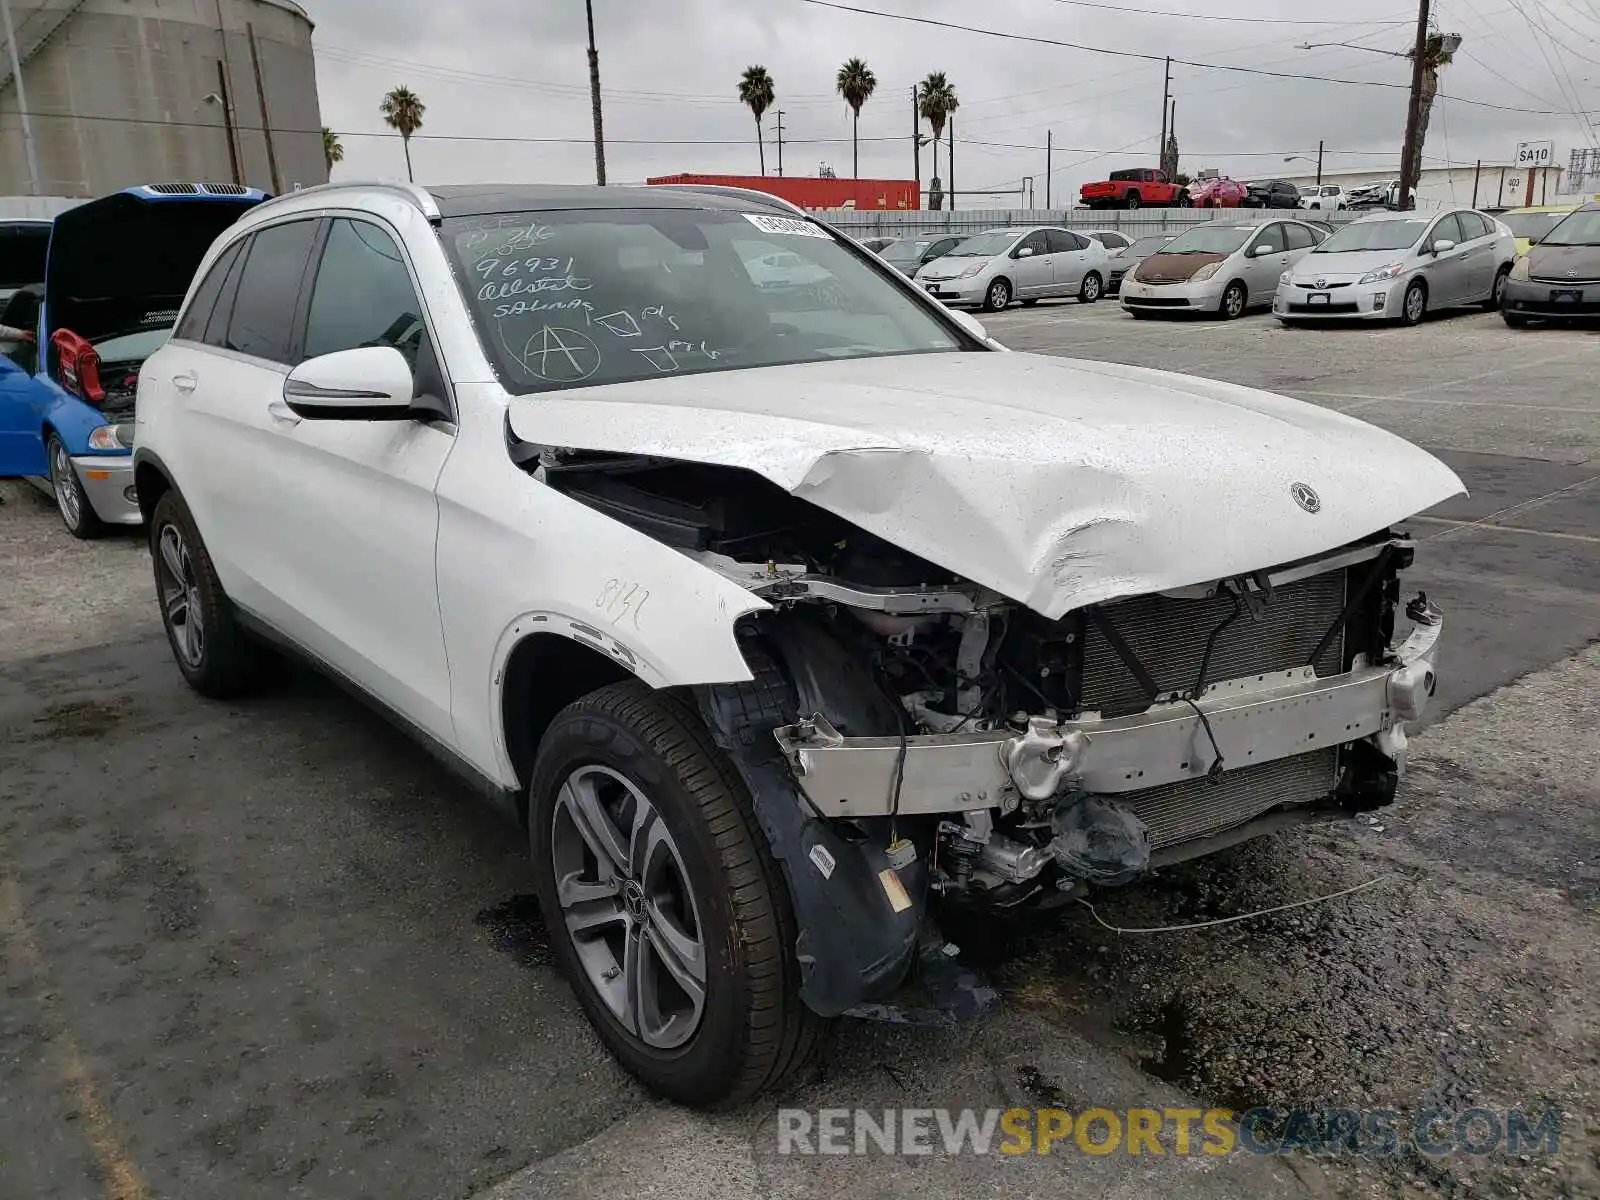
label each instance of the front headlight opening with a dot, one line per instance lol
(1285, 277)
(974, 269)
(1388, 272)
(1205, 272)
(1521, 268)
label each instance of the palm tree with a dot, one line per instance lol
(756, 91)
(332, 148)
(936, 100)
(856, 83)
(403, 111)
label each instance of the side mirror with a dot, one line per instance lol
(1024, 251)
(970, 323)
(370, 383)
(1260, 251)
(1442, 245)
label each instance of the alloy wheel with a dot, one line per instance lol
(1091, 289)
(1416, 301)
(628, 907)
(999, 295)
(65, 485)
(180, 596)
(1233, 301)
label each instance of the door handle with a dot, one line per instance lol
(282, 413)
(185, 382)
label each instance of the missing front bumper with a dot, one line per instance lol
(1254, 721)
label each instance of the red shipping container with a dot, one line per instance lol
(817, 193)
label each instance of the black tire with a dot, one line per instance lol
(1184, 201)
(1412, 311)
(1514, 320)
(228, 661)
(1138, 314)
(1498, 290)
(998, 295)
(77, 514)
(1029, 303)
(1235, 299)
(1089, 294)
(753, 1031)
(1132, 200)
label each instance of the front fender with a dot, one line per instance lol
(71, 418)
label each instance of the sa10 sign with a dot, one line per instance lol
(1535, 154)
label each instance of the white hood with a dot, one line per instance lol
(1056, 482)
(1348, 265)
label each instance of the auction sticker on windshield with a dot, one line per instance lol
(792, 225)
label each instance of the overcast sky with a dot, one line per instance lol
(511, 69)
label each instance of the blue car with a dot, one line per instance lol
(115, 275)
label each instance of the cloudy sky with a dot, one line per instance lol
(506, 85)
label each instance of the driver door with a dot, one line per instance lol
(21, 398)
(1261, 271)
(1032, 271)
(1447, 270)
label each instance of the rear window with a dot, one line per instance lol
(584, 298)
(22, 253)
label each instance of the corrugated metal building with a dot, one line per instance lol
(122, 92)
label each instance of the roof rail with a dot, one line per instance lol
(736, 193)
(419, 196)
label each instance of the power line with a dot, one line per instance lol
(1205, 66)
(1153, 12)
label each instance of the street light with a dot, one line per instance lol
(1317, 162)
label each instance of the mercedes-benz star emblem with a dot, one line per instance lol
(1306, 497)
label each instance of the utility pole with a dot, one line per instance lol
(952, 163)
(916, 144)
(227, 122)
(594, 100)
(231, 113)
(266, 116)
(22, 102)
(1049, 145)
(1166, 91)
(780, 143)
(1410, 152)
(1319, 163)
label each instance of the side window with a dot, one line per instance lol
(363, 295)
(263, 312)
(1448, 229)
(1472, 225)
(1036, 242)
(192, 325)
(1060, 241)
(216, 330)
(940, 248)
(1271, 236)
(1298, 237)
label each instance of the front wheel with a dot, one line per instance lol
(77, 514)
(1132, 200)
(1234, 298)
(1089, 290)
(997, 297)
(1415, 305)
(1498, 291)
(665, 907)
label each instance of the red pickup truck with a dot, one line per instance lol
(1134, 189)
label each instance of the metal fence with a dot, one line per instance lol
(1135, 222)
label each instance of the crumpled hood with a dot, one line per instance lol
(1056, 482)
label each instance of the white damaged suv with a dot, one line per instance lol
(786, 614)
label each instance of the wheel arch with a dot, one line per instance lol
(151, 480)
(544, 672)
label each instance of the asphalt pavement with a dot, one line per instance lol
(268, 949)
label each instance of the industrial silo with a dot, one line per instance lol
(136, 91)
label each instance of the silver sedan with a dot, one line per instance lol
(1224, 267)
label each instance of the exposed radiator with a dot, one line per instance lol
(1180, 812)
(1168, 637)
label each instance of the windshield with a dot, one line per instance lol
(1210, 239)
(1375, 235)
(132, 347)
(1148, 245)
(1309, 191)
(984, 245)
(1530, 225)
(904, 251)
(584, 298)
(1581, 228)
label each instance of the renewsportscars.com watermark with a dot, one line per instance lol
(1174, 1131)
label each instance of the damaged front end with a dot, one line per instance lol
(912, 739)
(919, 741)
